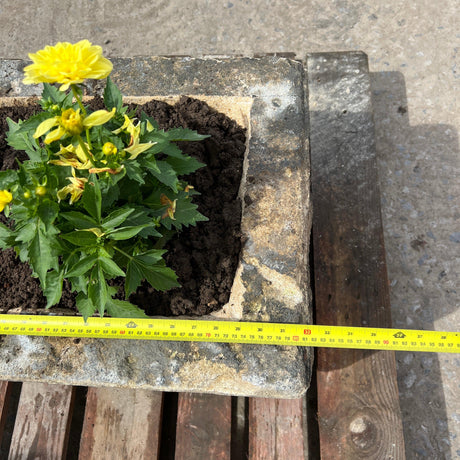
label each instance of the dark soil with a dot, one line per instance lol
(204, 257)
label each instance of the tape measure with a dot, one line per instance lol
(232, 332)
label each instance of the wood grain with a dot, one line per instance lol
(276, 429)
(358, 404)
(5, 391)
(203, 427)
(42, 422)
(121, 423)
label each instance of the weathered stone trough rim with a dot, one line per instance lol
(274, 275)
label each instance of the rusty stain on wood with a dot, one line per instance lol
(121, 423)
(203, 427)
(276, 429)
(42, 422)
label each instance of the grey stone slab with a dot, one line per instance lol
(272, 282)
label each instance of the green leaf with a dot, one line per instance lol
(134, 171)
(124, 233)
(8, 178)
(184, 165)
(109, 195)
(79, 220)
(91, 198)
(123, 309)
(112, 95)
(79, 284)
(115, 218)
(81, 238)
(48, 211)
(110, 267)
(186, 214)
(23, 140)
(6, 237)
(53, 289)
(82, 266)
(97, 289)
(164, 146)
(53, 94)
(141, 216)
(167, 175)
(148, 266)
(183, 134)
(85, 306)
(150, 163)
(42, 253)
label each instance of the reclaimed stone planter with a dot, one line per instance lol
(267, 96)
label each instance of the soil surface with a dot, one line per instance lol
(204, 257)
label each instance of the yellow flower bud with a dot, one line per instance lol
(71, 121)
(40, 190)
(109, 149)
(26, 194)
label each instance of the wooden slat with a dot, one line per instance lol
(203, 427)
(276, 429)
(42, 422)
(5, 391)
(358, 405)
(121, 423)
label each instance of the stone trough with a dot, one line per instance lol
(268, 97)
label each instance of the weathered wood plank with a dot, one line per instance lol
(5, 390)
(358, 405)
(276, 429)
(42, 422)
(203, 427)
(121, 423)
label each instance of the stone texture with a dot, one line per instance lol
(273, 276)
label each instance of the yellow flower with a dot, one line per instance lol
(73, 156)
(67, 64)
(75, 188)
(129, 127)
(5, 198)
(135, 148)
(109, 149)
(71, 122)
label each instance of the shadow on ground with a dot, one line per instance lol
(417, 169)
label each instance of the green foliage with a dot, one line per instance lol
(98, 204)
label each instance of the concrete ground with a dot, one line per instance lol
(412, 48)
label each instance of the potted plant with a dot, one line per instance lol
(100, 192)
(267, 95)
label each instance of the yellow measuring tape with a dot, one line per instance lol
(232, 332)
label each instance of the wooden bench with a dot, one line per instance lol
(352, 409)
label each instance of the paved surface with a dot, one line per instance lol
(412, 48)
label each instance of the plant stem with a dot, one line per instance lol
(88, 139)
(77, 97)
(123, 252)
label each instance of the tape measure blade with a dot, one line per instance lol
(257, 333)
